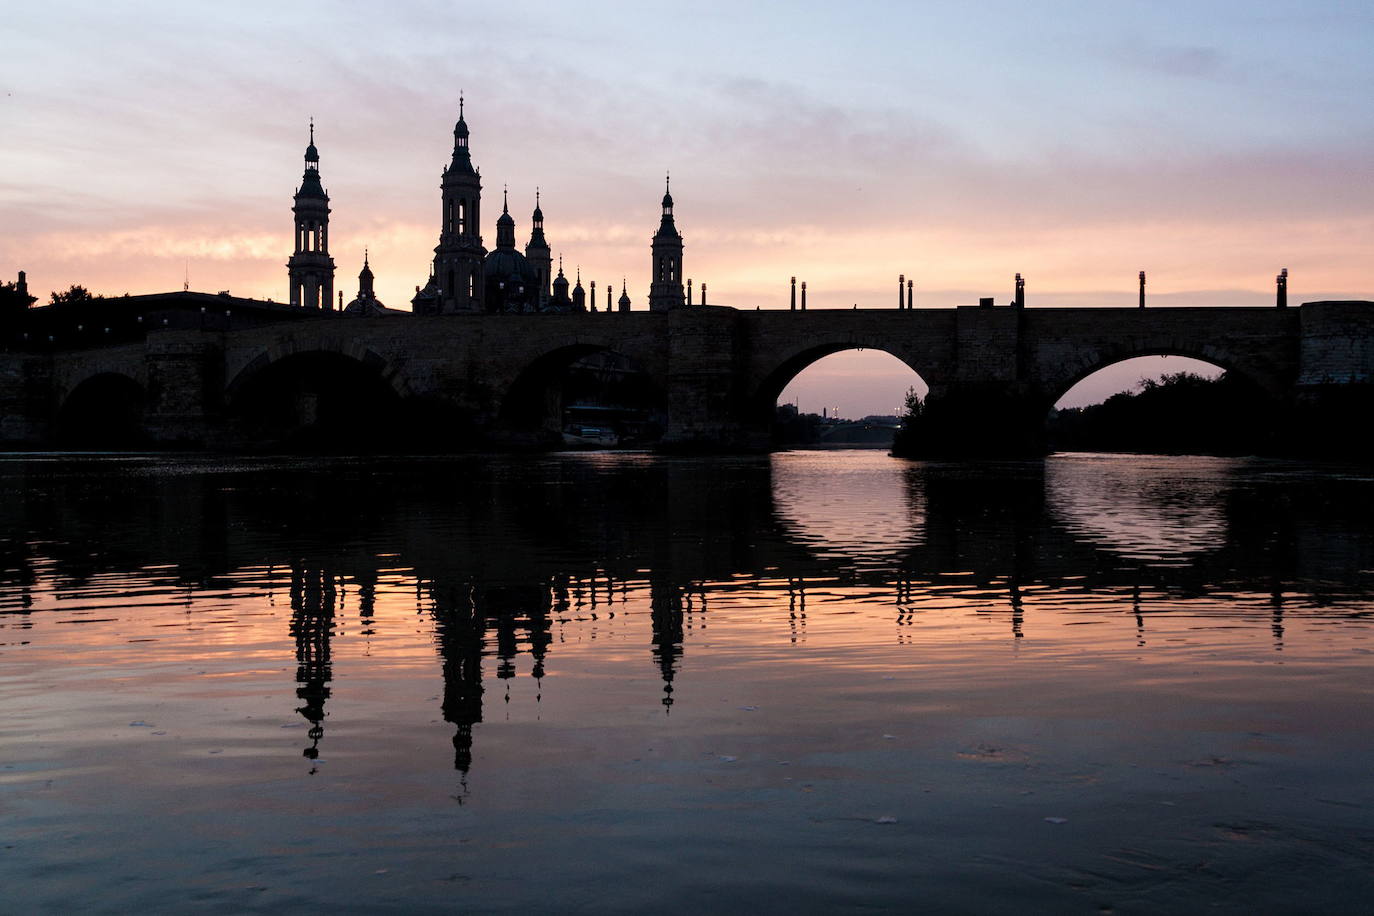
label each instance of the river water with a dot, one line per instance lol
(599, 682)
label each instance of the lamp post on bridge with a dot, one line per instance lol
(1281, 289)
(901, 282)
(1020, 300)
(1142, 289)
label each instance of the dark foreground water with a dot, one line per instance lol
(820, 681)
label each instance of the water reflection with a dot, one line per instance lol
(459, 631)
(564, 631)
(312, 626)
(1156, 509)
(842, 510)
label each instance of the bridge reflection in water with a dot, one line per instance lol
(510, 559)
(570, 639)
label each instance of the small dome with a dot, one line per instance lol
(366, 308)
(667, 201)
(312, 154)
(510, 281)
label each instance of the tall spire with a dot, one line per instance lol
(560, 284)
(310, 181)
(365, 280)
(505, 223)
(457, 281)
(310, 268)
(665, 285)
(538, 254)
(462, 156)
(579, 295)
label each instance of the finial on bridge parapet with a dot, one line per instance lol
(1142, 289)
(1281, 289)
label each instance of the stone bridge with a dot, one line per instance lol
(714, 372)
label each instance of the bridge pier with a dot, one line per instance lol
(977, 420)
(27, 404)
(707, 404)
(185, 403)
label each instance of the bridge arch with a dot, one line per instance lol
(287, 349)
(1057, 383)
(1171, 409)
(784, 368)
(317, 396)
(533, 404)
(104, 410)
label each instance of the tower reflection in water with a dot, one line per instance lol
(509, 558)
(312, 627)
(1089, 533)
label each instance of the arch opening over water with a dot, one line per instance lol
(839, 396)
(318, 399)
(585, 396)
(1167, 404)
(104, 411)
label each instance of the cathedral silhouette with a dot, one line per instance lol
(466, 278)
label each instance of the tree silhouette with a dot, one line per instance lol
(77, 293)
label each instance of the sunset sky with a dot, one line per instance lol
(1208, 143)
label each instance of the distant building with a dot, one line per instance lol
(464, 277)
(14, 296)
(367, 305)
(310, 267)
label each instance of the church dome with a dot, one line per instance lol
(509, 280)
(368, 307)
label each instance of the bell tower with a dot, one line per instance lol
(458, 256)
(538, 254)
(665, 290)
(310, 267)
